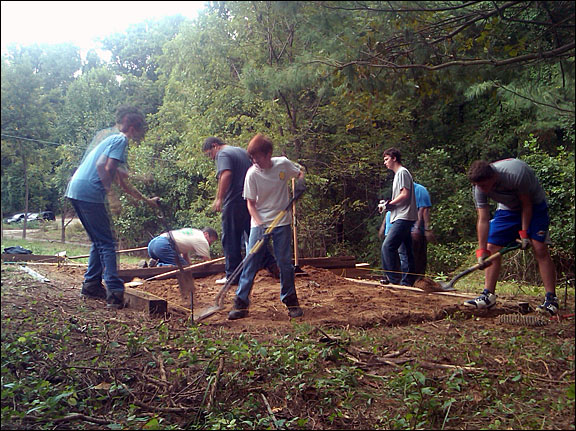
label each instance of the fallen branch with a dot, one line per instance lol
(214, 384)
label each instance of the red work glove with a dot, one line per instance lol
(524, 239)
(481, 255)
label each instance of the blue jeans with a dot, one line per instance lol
(102, 263)
(161, 250)
(235, 233)
(281, 239)
(398, 236)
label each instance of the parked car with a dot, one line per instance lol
(47, 215)
(15, 218)
(41, 216)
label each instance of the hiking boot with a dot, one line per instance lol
(486, 300)
(152, 263)
(550, 305)
(239, 311)
(115, 301)
(93, 290)
(293, 306)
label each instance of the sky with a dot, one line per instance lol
(81, 22)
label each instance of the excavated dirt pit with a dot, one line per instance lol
(327, 299)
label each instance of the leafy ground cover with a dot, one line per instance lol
(396, 360)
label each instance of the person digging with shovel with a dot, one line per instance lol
(522, 215)
(267, 195)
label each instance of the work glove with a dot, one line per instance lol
(300, 186)
(381, 206)
(481, 255)
(524, 240)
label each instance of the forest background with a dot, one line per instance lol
(333, 84)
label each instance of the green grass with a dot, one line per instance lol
(52, 248)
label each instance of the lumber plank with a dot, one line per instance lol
(143, 301)
(410, 288)
(164, 272)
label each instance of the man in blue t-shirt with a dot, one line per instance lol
(87, 191)
(232, 163)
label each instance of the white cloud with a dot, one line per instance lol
(81, 22)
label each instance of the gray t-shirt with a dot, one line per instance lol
(406, 210)
(515, 177)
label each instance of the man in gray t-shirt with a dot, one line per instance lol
(403, 214)
(522, 215)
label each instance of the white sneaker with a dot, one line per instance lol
(222, 280)
(486, 300)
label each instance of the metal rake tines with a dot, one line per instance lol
(521, 320)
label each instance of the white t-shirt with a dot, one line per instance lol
(191, 241)
(269, 188)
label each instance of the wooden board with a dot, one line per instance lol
(217, 268)
(144, 301)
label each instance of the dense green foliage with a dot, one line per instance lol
(333, 84)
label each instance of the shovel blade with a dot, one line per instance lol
(208, 312)
(446, 287)
(185, 284)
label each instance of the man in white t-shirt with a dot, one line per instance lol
(189, 241)
(267, 194)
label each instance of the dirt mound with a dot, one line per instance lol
(428, 285)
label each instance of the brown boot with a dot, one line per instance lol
(293, 306)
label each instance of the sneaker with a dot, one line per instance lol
(550, 305)
(115, 301)
(222, 280)
(143, 264)
(239, 311)
(486, 300)
(384, 281)
(152, 263)
(93, 290)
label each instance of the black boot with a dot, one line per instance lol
(293, 306)
(239, 311)
(93, 289)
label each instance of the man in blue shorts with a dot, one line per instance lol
(522, 213)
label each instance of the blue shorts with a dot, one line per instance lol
(505, 225)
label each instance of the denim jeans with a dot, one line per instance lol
(420, 251)
(281, 239)
(235, 234)
(161, 250)
(102, 263)
(398, 236)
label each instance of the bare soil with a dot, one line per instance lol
(411, 321)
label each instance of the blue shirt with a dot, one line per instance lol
(86, 184)
(237, 161)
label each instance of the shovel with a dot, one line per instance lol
(185, 279)
(219, 303)
(450, 285)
